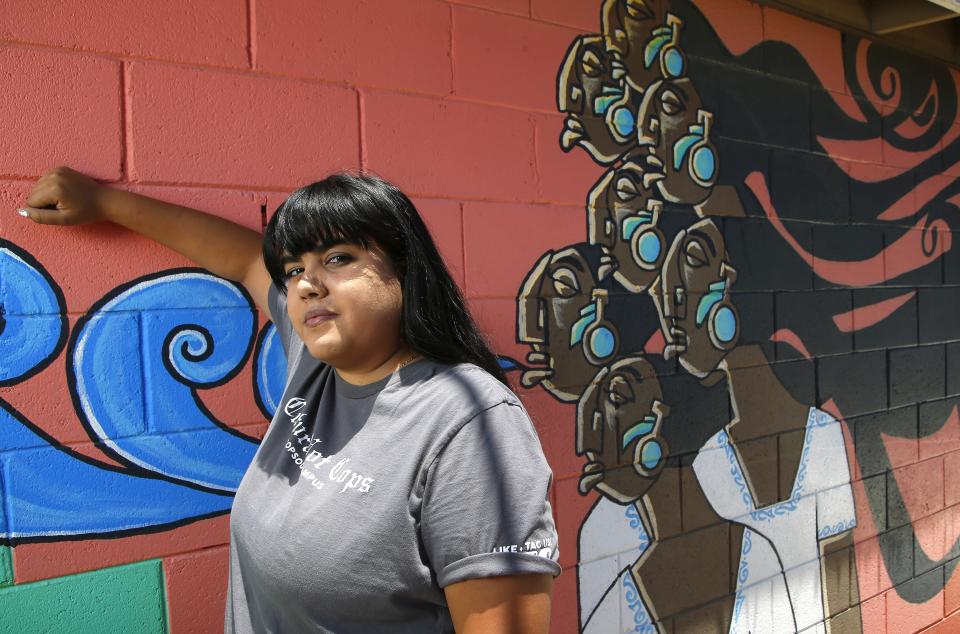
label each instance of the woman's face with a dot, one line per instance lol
(694, 278)
(619, 430)
(676, 132)
(597, 106)
(556, 296)
(345, 303)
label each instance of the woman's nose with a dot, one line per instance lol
(310, 285)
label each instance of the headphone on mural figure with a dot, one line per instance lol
(622, 122)
(702, 161)
(621, 115)
(597, 336)
(646, 240)
(719, 313)
(649, 456)
(664, 46)
(696, 149)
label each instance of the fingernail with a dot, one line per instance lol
(24, 213)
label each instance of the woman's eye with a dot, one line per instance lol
(565, 282)
(289, 274)
(670, 103)
(338, 258)
(638, 10)
(626, 189)
(696, 255)
(591, 64)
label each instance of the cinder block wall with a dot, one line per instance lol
(778, 449)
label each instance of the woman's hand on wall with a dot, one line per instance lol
(64, 196)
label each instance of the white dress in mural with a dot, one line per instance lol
(779, 580)
(612, 538)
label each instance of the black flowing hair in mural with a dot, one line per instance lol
(773, 114)
(770, 126)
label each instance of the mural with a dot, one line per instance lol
(722, 327)
(754, 335)
(176, 332)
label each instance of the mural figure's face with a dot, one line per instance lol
(698, 321)
(675, 129)
(619, 421)
(627, 26)
(560, 315)
(622, 218)
(601, 109)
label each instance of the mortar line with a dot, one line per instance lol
(463, 247)
(251, 34)
(452, 74)
(538, 180)
(126, 155)
(124, 175)
(305, 79)
(362, 129)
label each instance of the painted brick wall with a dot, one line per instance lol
(793, 462)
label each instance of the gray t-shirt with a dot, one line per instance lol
(363, 502)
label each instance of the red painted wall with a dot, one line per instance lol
(228, 105)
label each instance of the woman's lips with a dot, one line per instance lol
(316, 317)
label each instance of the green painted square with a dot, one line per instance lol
(6, 566)
(114, 600)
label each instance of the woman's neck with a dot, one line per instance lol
(360, 375)
(762, 406)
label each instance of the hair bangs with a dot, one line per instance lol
(314, 218)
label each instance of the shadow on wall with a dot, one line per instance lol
(723, 328)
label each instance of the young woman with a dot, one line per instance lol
(400, 486)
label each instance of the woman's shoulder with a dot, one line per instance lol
(462, 385)
(455, 397)
(471, 376)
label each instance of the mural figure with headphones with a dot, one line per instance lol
(620, 423)
(623, 218)
(708, 517)
(793, 516)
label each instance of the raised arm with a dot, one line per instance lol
(64, 196)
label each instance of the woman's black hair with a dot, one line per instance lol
(364, 209)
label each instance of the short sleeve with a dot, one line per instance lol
(486, 510)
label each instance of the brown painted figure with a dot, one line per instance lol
(600, 108)
(627, 27)
(699, 323)
(739, 536)
(771, 434)
(559, 309)
(675, 129)
(622, 217)
(620, 419)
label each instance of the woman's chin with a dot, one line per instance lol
(322, 351)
